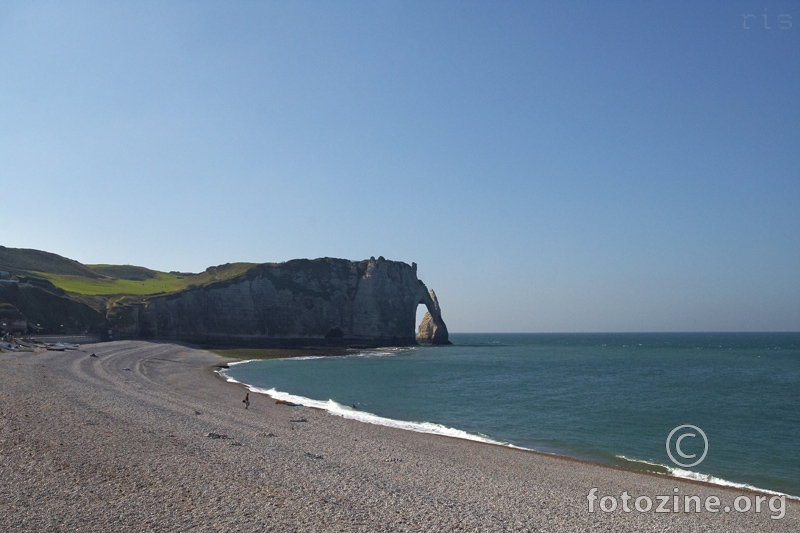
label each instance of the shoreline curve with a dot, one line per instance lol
(146, 436)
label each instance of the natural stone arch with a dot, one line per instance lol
(432, 329)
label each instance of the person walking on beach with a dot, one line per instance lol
(246, 400)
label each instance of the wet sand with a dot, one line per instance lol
(126, 441)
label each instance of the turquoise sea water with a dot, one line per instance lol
(611, 398)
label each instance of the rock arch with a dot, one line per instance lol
(432, 329)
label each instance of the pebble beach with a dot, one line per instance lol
(146, 436)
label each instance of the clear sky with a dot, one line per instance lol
(569, 166)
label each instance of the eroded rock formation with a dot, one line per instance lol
(332, 301)
(432, 329)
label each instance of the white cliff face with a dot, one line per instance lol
(369, 302)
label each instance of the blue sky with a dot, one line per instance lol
(585, 166)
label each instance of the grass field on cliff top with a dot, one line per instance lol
(158, 282)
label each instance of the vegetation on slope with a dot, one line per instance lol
(109, 286)
(130, 272)
(22, 261)
(62, 295)
(108, 280)
(158, 282)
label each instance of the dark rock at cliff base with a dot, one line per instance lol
(46, 309)
(301, 302)
(432, 329)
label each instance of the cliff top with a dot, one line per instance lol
(118, 280)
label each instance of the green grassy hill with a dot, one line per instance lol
(108, 280)
(130, 272)
(161, 282)
(64, 296)
(158, 282)
(23, 261)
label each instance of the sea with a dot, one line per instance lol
(612, 398)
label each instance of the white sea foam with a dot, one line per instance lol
(234, 363)
(382, 352)
(377, 353)
(230, 379)
(338, 409)
(706, 478)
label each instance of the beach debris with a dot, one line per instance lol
(61, 346)
(236, 443)
(128, 369)
(93, 355)
(314, 456)
(197, 412)
(288, 404)
(299, 420)
(217, 436)
(270, 434)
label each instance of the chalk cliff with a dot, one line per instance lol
(333, 301)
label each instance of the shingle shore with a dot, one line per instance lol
(145, 437)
